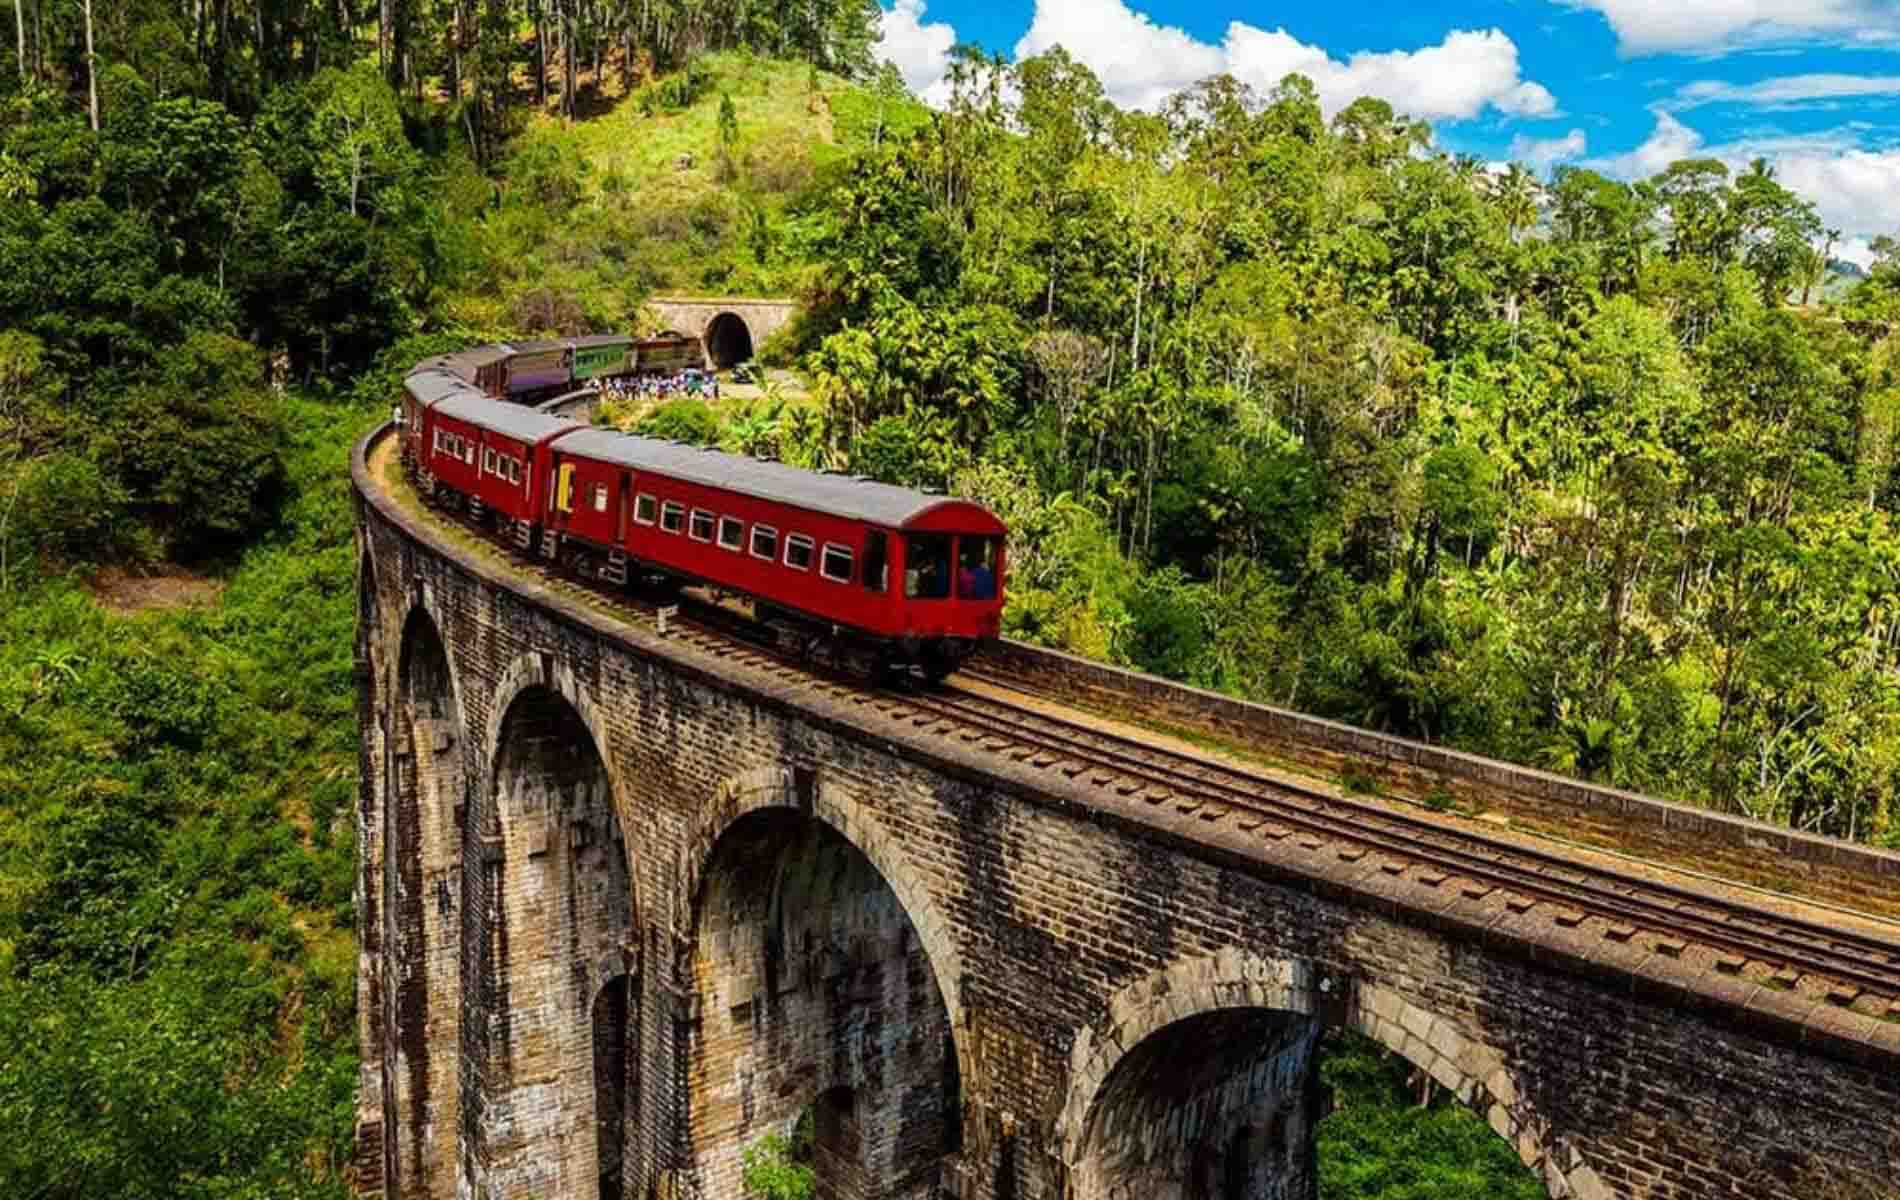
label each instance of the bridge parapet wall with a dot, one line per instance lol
(1731, 847)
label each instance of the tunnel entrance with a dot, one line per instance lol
(816, 994)
(728, 341)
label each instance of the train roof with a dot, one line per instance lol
(431, 384)
(538, 346)
(603, 339)
(851, 497)
(515, 421)
(463, 363)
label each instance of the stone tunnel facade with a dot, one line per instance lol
(625, 912)
(732, 329)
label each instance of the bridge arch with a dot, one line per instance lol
(729, 340)
(825, 987)
(427, 793)
(778, 787)
(559, 971)
(1220, 991)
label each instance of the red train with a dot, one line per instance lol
(886, 576)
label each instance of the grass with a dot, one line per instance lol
(177, 950)
(639, 200)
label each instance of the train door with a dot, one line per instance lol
(560, 489)
(623, 505)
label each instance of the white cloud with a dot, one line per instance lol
(1545, 153)
(1857, 250)
(1718, 26)
(1669, 141)
(1141, 63)
(920, 51)
(1786, 91)
(1853, 188)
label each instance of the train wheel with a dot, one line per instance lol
(935, 664)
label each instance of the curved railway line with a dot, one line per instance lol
(1406, 840)
(1848, 962)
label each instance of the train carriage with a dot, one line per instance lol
(422, 389)
(916, 575)
(496, 455)
(886, 575)
(602, 354)
(537, 366)
(665, 353)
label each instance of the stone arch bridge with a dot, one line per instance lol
(732, 329)
(626, 906)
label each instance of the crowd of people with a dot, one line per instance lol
(690, 381)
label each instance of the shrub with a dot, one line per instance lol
(684, 421)
(197, 447)
(64, 511)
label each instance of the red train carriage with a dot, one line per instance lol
(917, 577)
(494, 454)
(425, 387)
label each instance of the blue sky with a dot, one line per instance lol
(1624, 86)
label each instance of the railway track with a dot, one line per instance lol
(1848, 962)
(1780, 941)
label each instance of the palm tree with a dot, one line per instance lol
(1517, 195)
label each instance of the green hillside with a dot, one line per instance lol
(651, 196)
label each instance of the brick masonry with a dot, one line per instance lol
(694, 899)
(696, 315)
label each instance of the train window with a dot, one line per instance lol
(764, 542)
(731, 532)
(468, 453)
(836, 563)
(976, 566)
(672, 517)
(514, 470)
(927, 566)
(877, 561)
(798, 552)
(488, 462)
(600, 497)
(702, 527)
(645, 508)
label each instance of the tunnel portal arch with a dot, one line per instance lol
(728, 340)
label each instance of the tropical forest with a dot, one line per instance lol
(1593, 474)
